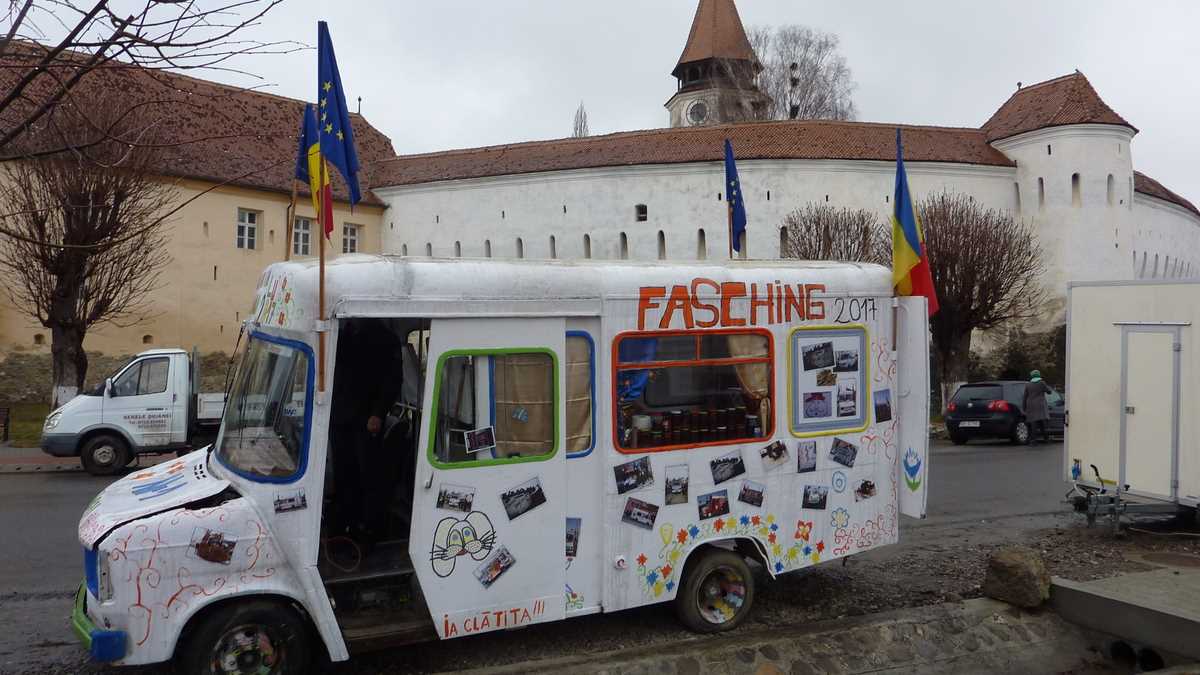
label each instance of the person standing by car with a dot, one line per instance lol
(1036, 411)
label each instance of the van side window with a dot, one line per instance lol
(827, 381)
(519, 387)
(581, 391)
(692, 389)
(148, 376)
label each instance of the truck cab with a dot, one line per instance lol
(147, 406)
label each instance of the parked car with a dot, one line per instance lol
(996, 410)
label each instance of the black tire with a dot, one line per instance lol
(237, 636)
(1021, 434)
(958, 439)
(713, 572)
(104, 454)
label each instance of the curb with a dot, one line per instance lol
(45, 467)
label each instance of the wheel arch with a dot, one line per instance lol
(294, 602)
(747, 546)
(94, 431)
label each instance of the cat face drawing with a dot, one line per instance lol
(473, 536)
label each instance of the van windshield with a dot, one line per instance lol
(262, 433)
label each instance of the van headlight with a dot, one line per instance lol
(52, 420)
(103, 578)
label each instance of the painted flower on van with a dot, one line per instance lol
(803, 529)
(840, 518)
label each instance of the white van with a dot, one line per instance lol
(501, 444)
(150, 405)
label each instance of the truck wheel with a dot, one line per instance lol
(102, 455)
(717, 592)
(1020, 433)
(256, 636)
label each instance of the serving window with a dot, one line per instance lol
(689, 389)
(827, 380)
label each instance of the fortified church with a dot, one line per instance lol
(1054, 154)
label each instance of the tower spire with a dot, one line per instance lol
(717, 33)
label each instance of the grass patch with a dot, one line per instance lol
(25, 424)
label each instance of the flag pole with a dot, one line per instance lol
(321, 282)
(291, 220)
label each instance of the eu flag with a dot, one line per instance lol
(337, 135)
(737, 206)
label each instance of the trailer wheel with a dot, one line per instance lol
(717, 592)
(1020, 433)
(103, 454)
(255, 636)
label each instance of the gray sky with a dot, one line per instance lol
(452, 74)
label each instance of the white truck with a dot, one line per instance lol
(1133, 381)
(151, 405)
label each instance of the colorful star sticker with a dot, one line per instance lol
(641, 559)
(666, 570)
(682, 536)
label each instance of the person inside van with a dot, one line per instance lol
(367, 381)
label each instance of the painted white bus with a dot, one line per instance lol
(508, 443)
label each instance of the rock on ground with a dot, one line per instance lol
(1017, 575)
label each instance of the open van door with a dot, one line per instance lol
(489, 509)
(912, 355)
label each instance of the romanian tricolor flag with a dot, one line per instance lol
(910, 264)
(308, 169)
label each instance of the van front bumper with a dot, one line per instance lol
(59, 445)
(104, 646)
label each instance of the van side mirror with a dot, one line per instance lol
(108, 388)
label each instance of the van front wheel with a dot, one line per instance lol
(258, 636)
(717, 592)
(102, 455)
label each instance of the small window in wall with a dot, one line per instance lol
(1048, 151)
(206, 229)
(458, 249)
(429, 249)
(662, 245)
(39, 339)
(1041, 192)
(1017, 194)
(302, 236)
(701, 245)
(827, 376)
(768, 195)
(350, 233)
(487, 248)
(520, 248)
(1142, 274)
(581, 394)
(147, 339)
(247, 228)
(1155, 265)
(587, 246)
(404, 249)
(1076, 196)
(214, 272)
(624, 247)
(641, 212)
(553, 248)
(692, 389)
(519, 388)
(1135, 269)
(1112, 189)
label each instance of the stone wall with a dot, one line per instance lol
(25, 375)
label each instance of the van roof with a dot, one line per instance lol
(162, 352)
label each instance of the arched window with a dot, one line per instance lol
(1155, 265)
(783, 240)
(553, 248)
(624, 247)
(429, 249)
(1112, 189)
(520, 248)
(403, 249)
(1135, 270)
(147, 339)
(1017, 194)
(701, 245)
(487, 248)
(587, 246)
(458, 249)
(39, 339)
(1041, 192)
(662, 245)
(1076, 197)
(1142, 273)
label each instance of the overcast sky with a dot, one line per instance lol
(452, 74)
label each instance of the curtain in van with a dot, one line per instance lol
(755, 378)
(524, 398)
(579, 394)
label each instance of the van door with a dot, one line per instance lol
(1150, 411)
(489, 509)
(139, 402)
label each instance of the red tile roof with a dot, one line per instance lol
(1069, 99)
(1148, 186)
(717, 33)
(217, 132)
(803, 139)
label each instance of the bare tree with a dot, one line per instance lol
(49, 46)
(803, 73)
(89, 238)
(823, 232)
(581, 123)
(986, 267)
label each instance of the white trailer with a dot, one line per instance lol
(1133, 384)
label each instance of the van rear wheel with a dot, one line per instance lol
(103, 454)
(255, 636)
(717, 592)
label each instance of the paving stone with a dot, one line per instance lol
(770, 652)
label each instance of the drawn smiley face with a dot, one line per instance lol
(473, 536)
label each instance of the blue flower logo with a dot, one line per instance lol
(912, 470)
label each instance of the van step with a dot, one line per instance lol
(369, 631)
(343, 565)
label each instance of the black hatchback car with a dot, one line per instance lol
(995, 410)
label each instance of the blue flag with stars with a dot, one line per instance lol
(337, 135)
(737, 206)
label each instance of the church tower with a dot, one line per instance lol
(717, 71)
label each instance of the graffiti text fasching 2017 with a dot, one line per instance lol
(770, 303)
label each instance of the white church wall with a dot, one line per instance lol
(1166, 240)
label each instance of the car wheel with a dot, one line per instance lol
(102, 455)
(958, 439)
(1020, 433)
(717, 592)
(255, 636)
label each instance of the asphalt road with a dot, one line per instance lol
(41, 561)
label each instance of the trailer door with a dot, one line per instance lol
(489, 513)
(1150, 410)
